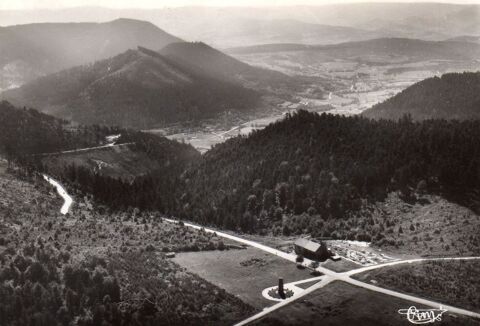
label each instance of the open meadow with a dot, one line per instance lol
(244, 273)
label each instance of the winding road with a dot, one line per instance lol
(68, 200)
(327, 277)
(80, 150)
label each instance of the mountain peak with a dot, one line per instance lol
(46, 48)
(123, 20)
(138, 88)
(128, 22)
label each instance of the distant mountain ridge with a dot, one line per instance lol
(465, 38)
(138, 88)
(33, 50)
(451, 96)
(224, 27)
(400, 46)
(248, 31)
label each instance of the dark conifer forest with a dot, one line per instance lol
(27, 135)
(269, 165)
(451, 96)
(326, 166)
(27, 131)
(137, 89)
(320, 166)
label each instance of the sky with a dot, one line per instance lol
(58, 4)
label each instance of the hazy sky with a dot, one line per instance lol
(55, 4)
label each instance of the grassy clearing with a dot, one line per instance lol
(306, 285)
(342, 304)
(247, 280)
(117, 162)
(341, 265)
(455, 283)
(184, 298)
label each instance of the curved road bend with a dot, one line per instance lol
(68, 200)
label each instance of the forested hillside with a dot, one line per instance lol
(326, 166)
(311, 168)
(297, 174)
(138, 88)
(27, 131)
(95, 267)
(451, 96)
(222, 66)
(157, 189)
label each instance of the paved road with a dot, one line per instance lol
(291, 286)
(68, 200)
(331, 276)
(325, 280)
(273, 251)
(412, 298)
(80, 150)
(328, 274)
(328, 277)
(288, 256)
(407, 261)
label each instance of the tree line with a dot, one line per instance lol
(322, 166)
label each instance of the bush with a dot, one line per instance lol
(274, 293)
(150, 247)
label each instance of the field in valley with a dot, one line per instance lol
(355, 83)
(120, 161)
(345, 85)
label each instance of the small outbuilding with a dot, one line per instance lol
(311, 250)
